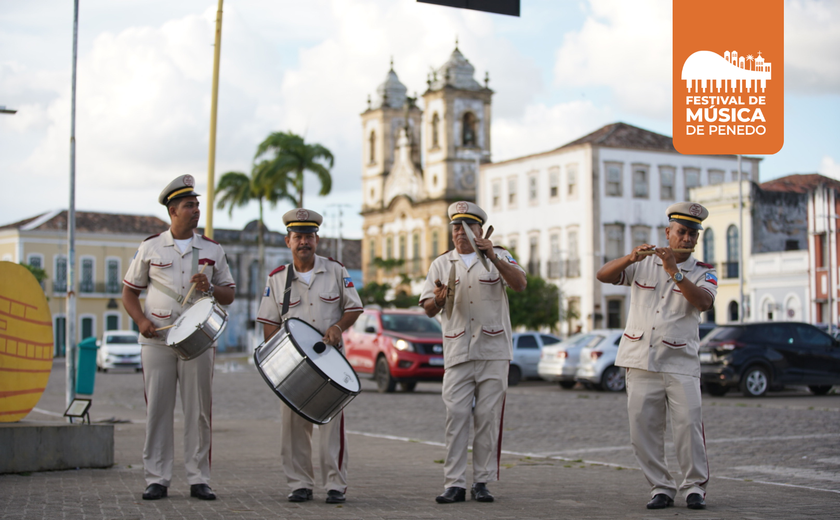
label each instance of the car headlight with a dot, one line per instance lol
(402, 344)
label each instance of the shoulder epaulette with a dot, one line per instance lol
(500, 247)
(279, 269)
(707, 266)
(334, 260)
(151, 237)
(448, 250)
(210, 240)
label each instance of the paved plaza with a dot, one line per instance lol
(567, 455)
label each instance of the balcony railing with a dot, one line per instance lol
(555, 268)
(728, 270)
(534, 268)
(109, 288)
(573, 268)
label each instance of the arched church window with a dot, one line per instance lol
(372, 147)
(469, 129)
(435, 130)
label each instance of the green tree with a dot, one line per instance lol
(292, 156)
(235, 189)
(537, 306)
(37, 272)
(374, 294)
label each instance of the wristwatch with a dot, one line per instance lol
(209, 292)
(678, 277)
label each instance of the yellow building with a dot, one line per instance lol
(105, 244)
(416, 162)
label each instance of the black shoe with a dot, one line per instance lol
(480, 492)
(660, 501)
(154, 492)
(695, 501)
(452, 494)
(300, 495)
(202, 492)
(335, 496)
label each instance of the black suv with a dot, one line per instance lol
(756, 357)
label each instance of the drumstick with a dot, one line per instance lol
(164, 328)
(651, 251)
(192, 287)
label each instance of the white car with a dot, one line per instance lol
(119, 349)
(527, 348)
(596, 367)
(558, 363)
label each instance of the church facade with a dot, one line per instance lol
(415, 163)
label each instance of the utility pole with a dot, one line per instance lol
(70, 350)
(339, 244)
(214, 101)
(740, 243)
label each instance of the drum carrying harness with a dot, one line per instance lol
(169, 292)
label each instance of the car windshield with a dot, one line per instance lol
(724, 333)
(121, 339)
(409, 323)
(581, 340)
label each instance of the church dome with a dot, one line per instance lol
(391, 92)
(456, 72)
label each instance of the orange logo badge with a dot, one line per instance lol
(728, 76)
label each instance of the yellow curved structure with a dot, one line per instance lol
(26, 342)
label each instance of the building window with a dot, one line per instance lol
(614, 314)
(733, 311)
(112, 322)
(435, 130)
(469, 129)
(372, 253)
(435, 244)
(415, 251)
(60, 335)
(402, 248)
(532, 189)
(613, 188)
(614, 240)
(640, 182)
(662, 238)
(573, 262)
(709, 246)
(692, 180)
(254, 277)
(86, 278)
(372, 147)
(389, 248)
(666, 183)
(716, 176)
(113, 276)
(732, 252)
(554, 183)
(60, 282)
(640, 236)
(35, 260)
(571, 173)
(497, 194)
(533, 256)
(554, 260)
(512, 192)
(86, 328)
(512, 242)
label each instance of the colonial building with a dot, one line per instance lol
(416, 162)
(567, 211)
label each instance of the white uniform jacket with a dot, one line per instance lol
(479, 328)
(158, 260)
(662, 328)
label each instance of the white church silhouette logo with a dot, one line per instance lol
(725, 74)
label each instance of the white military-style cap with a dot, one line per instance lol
(689, 214)
(302, 221)
(469, 212)
(183, 186)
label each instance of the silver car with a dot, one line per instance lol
(527, 347)
(559, 362)
(119, 349)
(596, 366)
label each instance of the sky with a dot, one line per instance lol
(562, 69)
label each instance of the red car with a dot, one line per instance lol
(395, 346)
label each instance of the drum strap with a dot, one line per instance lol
(287, 292)
(169, 292)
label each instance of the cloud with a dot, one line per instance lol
(829, 167)
(812, 46)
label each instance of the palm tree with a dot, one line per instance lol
(294, 156)
(750, 58)
(235, 189)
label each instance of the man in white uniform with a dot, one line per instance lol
(660, 350)
(477, 349)
(323, 295)
(166, 265)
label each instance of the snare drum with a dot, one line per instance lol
(316, 386)
(197, 329)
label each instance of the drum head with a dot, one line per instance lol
(331, 362)
(190, 320)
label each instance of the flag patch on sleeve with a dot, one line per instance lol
(267, 292)
(711, 278)
(511, 260)
(348, 282)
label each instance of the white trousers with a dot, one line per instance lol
(650, 396)
(486, 381)
(296, 451)
(163, 373)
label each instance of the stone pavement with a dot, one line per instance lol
(389, 478)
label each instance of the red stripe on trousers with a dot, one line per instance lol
(499, 447)
(341, 443)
